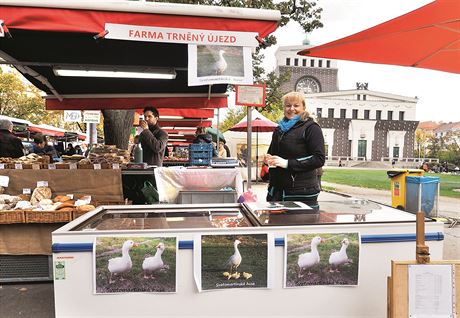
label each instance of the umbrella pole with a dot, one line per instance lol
(257, 156)
(248, 148)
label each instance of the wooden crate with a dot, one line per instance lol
(11, 216)
(48, 216)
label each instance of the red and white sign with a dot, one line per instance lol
(176, 35)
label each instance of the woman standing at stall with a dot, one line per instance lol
(296, 151)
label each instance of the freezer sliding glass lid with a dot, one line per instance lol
(329, 212)
(137, 218)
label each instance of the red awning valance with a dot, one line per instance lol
(90, 21)
(45, 131)
(137, 103)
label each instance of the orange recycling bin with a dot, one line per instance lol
(398, 185)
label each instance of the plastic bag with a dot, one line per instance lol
(247, 196)
(150, 193)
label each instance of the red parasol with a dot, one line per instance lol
(258, 124)
(428, 37)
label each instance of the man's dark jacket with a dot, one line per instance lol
(153, 141)
(10, 145)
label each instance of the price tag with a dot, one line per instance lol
(4, 180)
(52, 166)
(115, 166)
(70, 196)
(18, 166)
(73, 166)
(97, 166)
(26, 191)
(2, 166)
(35, 166)
(42, 184)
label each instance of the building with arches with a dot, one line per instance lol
(358, 124)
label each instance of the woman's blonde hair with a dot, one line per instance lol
(297, 96)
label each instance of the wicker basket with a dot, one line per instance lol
(48, 216)
(11, 216)
(99, 203)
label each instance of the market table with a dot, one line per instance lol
(170, 181)
(25, 248)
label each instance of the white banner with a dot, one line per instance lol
(92, 116)
(209, 64)
(72, 116)
(175, 35)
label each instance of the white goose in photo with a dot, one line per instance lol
(220, 65)
(307, 260)
(339, 258)
(123, 264)
(235, 260)
(154, 263)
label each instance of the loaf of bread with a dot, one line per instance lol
(61, 198)
(85, 208)
(66, 209)
(39, 194)
(67, 204)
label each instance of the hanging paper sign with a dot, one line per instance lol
(250, 95)
(97, 166)
(71, 116)
(91, 116)
(176, 35)
(4, 181)
(209, 65)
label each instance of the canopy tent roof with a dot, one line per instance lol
(428, 37)
(52, 33)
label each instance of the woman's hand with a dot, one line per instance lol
(276, 161)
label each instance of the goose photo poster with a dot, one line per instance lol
(232, 261)
(330, 259)
(210, 64)
(134, 264)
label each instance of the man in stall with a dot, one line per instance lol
(10, 145)
(152, 138)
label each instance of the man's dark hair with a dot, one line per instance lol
(153, 110)
(39, 138)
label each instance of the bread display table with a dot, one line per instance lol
(25, 236)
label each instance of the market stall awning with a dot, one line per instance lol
(49, 34)
(428, 37)
(47, 130)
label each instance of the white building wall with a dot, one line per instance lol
(328, 134)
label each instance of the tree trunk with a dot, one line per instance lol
(117, 127)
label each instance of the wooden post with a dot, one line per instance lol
(422, 251)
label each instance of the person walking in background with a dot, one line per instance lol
(295, 152)
(78, 150)
(10, 145)
(152, 138)
(319, 174)
(227, 150)
(202, 137)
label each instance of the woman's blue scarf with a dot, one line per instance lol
(286, 124)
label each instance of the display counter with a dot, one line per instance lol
(171, 180)
(384, 234)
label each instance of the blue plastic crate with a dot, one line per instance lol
(200, 154)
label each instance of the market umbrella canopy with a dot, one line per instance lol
(258, 124)
(214, 133)
(428, 37)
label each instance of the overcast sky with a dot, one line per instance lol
(438, 92)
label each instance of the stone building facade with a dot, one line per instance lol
(359, 124)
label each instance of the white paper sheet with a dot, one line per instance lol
(431, 291)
